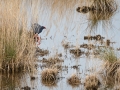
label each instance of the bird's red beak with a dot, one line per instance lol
(44, 27)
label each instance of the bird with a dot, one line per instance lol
(38, 28)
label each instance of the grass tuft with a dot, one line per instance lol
(74, 81)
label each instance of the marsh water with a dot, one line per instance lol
(69, 27)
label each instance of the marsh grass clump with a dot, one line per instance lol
(74, 81)
(76, 52)
(91, 82)
(108, 55)
(49, 77)
(110, 73)
(102, 10)
(117, 76)
(110, 67)
(99, 10)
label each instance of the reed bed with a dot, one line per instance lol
(17, 47)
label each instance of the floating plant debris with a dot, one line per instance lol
(75, 66)
(41, 52)
(51, 61)
(76, 52)
(87, 46)
(26, 88)
(97, 37)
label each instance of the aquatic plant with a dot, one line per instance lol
(100, 11)
(91, 82)
(76, 52)
(110, 73)
(49, 77)
(108, 54)
(111, 66)
(74, 81)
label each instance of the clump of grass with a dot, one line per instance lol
(49, 77)
(117, 77)
(76, 52)
(102, 10)
(110, 73)
(108, 55)
(91, 82)
(74, 81)
(110, 67)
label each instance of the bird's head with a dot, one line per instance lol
(44, 27)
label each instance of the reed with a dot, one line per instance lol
(91, 82)
(110, 68)
(102, 12)
(108, 55)
(17, 47)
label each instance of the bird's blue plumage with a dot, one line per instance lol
(38, 28)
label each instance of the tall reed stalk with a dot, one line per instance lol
(17, 47)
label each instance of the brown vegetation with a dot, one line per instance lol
(17, 47)
(76, 52)
(41, 52)
(91, 82)
(49, 77)
(51, 62)
(74, 81)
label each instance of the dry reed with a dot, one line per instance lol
(110, 67)
(100, 11)
(17, 47)
(110, 73)
(103, 10)
(91, 82)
